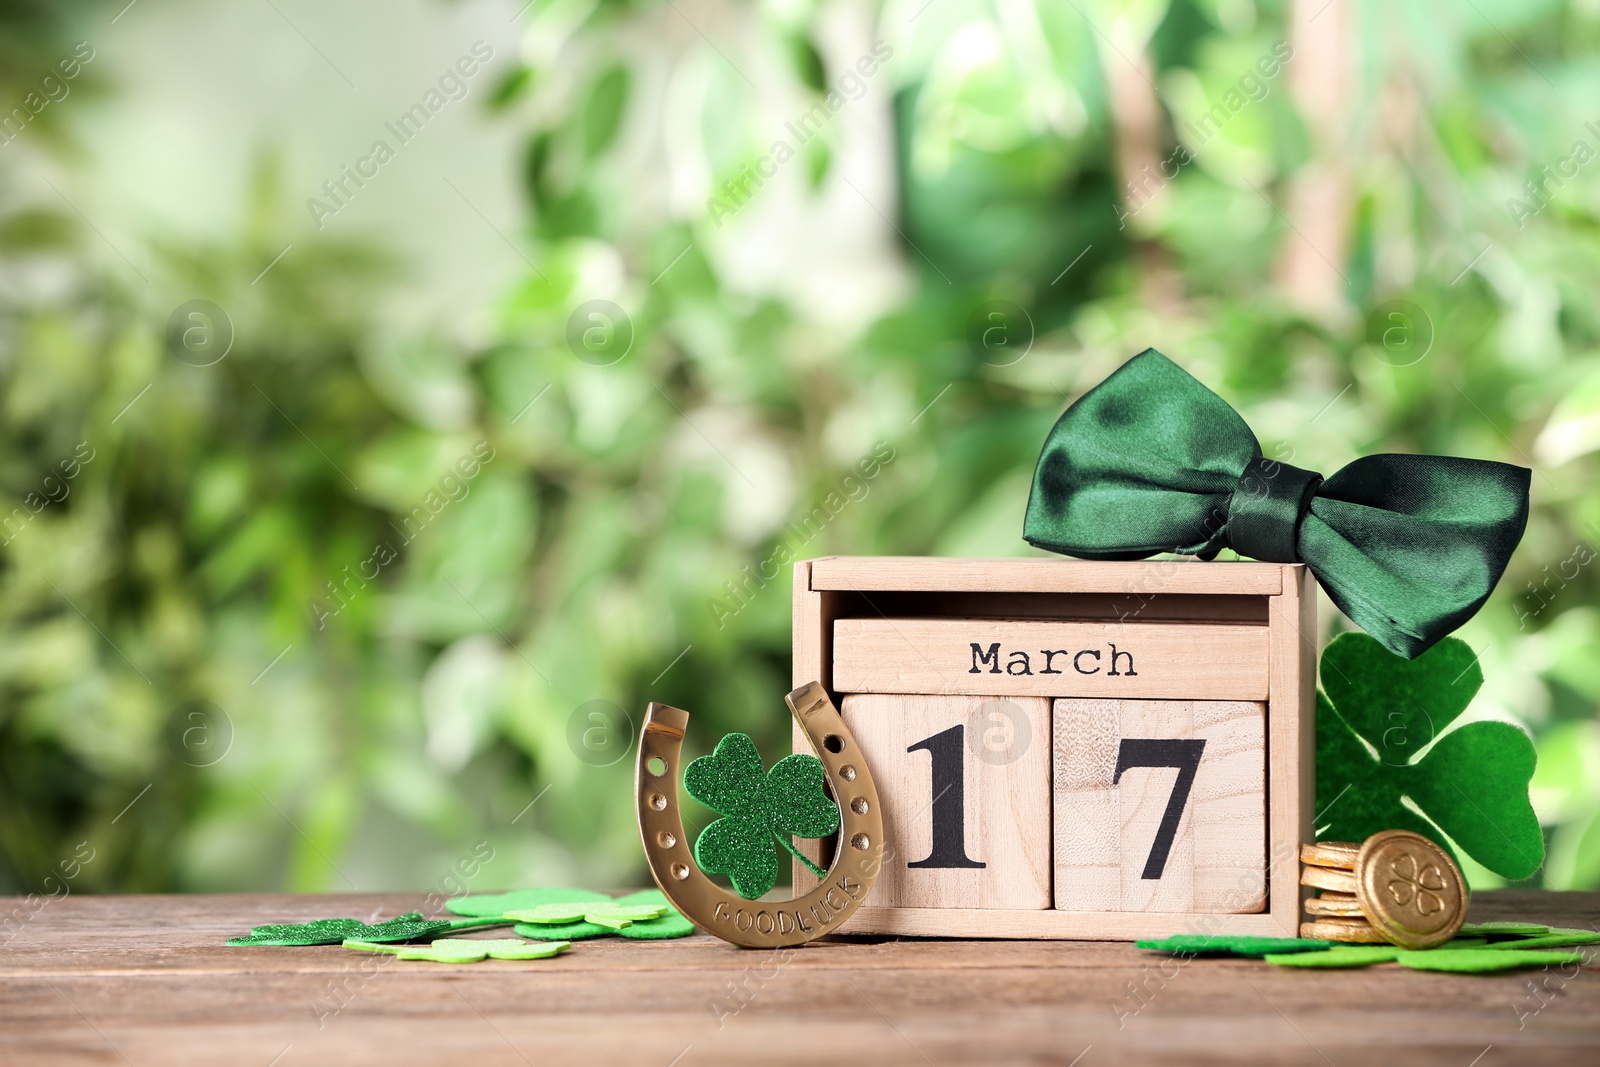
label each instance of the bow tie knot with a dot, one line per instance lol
(1266, 510)
(1150, 460)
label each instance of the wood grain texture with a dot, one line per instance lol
(1014, 658)
(1291, 741)
(1143, 577)
(147, 981)
(1105, 830)
(1069, 607)
(1004, 755)
(812, 661)
(1130, 595)
(1052, 924)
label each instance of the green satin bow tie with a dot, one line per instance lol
(1150, 460)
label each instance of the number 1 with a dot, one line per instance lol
(949, 800)
(1181, 753)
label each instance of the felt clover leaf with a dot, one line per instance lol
(757, 806)
(333, 931)
(608, 913)
(1231, 945)
(467, 950)
(1377, 712)
(1483, 960)
(669, 924)
(1337, 957)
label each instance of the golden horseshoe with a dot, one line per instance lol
(762, 923)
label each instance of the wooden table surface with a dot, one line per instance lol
(146, 980)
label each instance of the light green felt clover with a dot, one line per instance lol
(467, 950)
(608, 914)
(409, 927)
(1345, 955)
(1484, 960)
(670, 924)
(1554, 937)
(1232, 945)
(1337, 956)
(1503, 928)
(757, 807)
(1473, 782)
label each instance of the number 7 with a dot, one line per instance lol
(1181, 753)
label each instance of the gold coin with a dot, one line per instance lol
(1339, 905)
(1327, 878)
(1353, 930)
(1340, 854)
(1410, 889)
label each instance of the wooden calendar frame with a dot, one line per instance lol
(1281, 598)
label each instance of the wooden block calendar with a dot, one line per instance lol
(1072, 749)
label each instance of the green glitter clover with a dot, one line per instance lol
(757, 806)
(407, 927)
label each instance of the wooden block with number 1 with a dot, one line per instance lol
(965, 787)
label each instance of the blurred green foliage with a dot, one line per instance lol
(168, 638)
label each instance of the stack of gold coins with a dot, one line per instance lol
(1335, 915)
(1396, 887)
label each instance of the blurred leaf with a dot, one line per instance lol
(604, 108)
(511, 88)
(1573, 428)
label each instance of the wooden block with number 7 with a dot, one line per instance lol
(965, 787)
(1160, 805)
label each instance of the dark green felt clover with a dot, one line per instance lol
(1472, 784)
(409, 927)
(670, 924)
(757, 807)
(1231, 945)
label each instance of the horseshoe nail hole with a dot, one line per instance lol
(859, 805)
(680, 871)
(847, 772)
(658, 802)
(656, 766)
(861, 842)
(833, 743)
(666, 839)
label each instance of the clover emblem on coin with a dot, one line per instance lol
(1409, 889)
(1416, 885)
